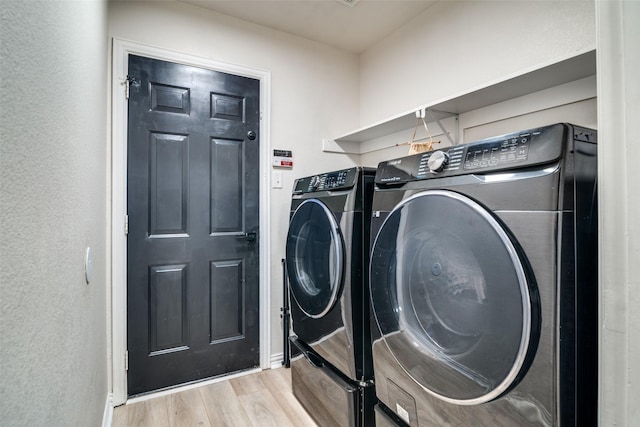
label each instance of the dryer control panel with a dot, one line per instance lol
(329, 181)
(511, 151)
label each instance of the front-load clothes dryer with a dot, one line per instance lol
(484, 282)
(327, 267)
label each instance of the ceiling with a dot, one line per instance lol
(354, 27)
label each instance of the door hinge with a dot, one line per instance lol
(127, 84)
(126, 360)
(126, 225)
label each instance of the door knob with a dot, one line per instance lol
(250, 237)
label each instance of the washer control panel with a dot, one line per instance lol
(330, 181)
(438, 161)
(434, 162)
(511, 151)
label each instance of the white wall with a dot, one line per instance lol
(314, 91)
(618, 157)
(456, 46)
(53, 344)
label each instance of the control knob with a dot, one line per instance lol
(315, 182)
(437, 161)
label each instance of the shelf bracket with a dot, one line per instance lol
(444, 131)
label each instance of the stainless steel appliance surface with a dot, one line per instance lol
(327, 268)
(483, 282)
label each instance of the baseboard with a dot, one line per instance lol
(107, 416)
(276, 360)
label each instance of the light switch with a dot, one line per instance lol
(276, 179)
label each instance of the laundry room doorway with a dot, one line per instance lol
(190, 307)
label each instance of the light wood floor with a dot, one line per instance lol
(262, 399)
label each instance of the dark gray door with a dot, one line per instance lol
(193, 200)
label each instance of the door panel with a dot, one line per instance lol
(227, 189)
(168, 184)
(193, 199)
(227, 303)
(167, 322)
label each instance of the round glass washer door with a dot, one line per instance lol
(454, 297)
(315, 258)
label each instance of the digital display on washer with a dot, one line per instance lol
(335, 179)
(490, 154)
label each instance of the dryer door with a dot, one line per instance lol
(453, 297)
(315, 258)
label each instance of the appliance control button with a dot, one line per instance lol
(437, 161)
(315, 182)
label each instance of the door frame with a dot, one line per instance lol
(121, 49)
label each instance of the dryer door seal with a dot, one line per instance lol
(315, 258)
(454, 297)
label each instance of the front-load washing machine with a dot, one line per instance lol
(484, 282)
(327, 267)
